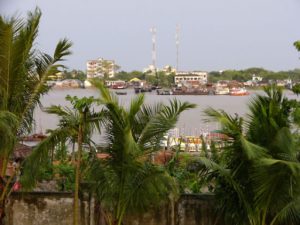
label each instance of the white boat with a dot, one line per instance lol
(239, 92)
(222, 91)
(87, 84)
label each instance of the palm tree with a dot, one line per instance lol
(277, 174)
(76, 124)
(297, 45)
(257, 179)
(23, 73)
(127, 180)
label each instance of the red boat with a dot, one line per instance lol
(119, 85)
(239, 92)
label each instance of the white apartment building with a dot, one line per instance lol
(100, 67)
(182, 77)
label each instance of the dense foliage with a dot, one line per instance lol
(24, 70)
(245, 75)
(127, 180)
(256, 176)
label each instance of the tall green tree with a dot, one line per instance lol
(257, 179)
(127, 180)
(75, 124)
(24, 71)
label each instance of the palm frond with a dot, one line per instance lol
(289, 214)
(149, 180)
(251, 150)
(275, 183)
(8, 125)
(135, 107)
(230, 126)
(268, 114)
(126, 178)
(227, 175)
(23, 69)
(283, 144)
(62, 49)
(162, 122)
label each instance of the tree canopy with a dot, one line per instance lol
(256, 176)
(24, 70)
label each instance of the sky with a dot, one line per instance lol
(214, 34)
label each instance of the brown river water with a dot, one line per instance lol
(190, 122)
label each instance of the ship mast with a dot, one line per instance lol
(153, 32)
(177, 46)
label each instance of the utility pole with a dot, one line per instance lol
(153, 31)
(177, 46)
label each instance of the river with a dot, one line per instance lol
(190, 122)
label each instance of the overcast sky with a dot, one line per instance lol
(214, 35)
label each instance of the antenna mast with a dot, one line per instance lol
(177, 46)
(153, 31)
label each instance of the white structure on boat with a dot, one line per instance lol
(182, 77)
(68, 83)
(87, 84)
(100, 68)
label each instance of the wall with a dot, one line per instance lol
(46, 208)
(41, 208)
(188, 210)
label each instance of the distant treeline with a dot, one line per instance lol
(245, 75)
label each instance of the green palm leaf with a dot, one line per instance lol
(126, 179)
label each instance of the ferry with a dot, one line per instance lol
(238, 92)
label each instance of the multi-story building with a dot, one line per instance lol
(100, 68)
(182, 77)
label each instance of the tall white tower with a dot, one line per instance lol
(153, 31)
(177, 46)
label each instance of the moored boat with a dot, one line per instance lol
(191, 91)
(222, 91)
(121, 93)
(120, 85)
(164, 92)
(239, 92)
(140, 89)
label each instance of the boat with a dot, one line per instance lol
(137, 90)
(87, 84)
(164, 92)
(191, 92)
(155, 87)
(140, 89)
(146, 89)
(238, 92)
(69, 83)
(222, 91)
(119, 85)
(121, 93)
